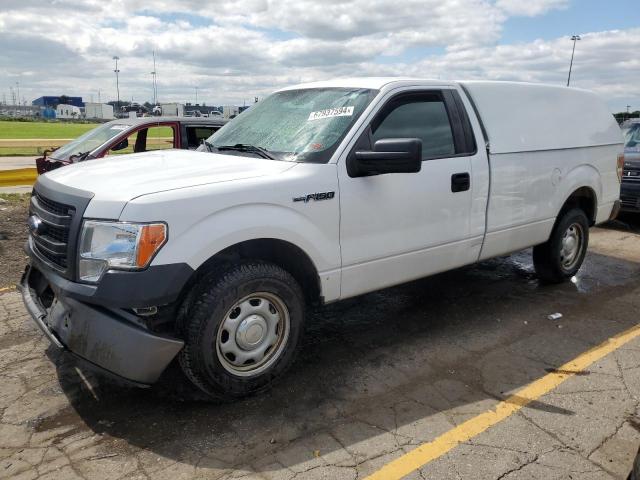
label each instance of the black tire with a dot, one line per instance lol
(635, 473)
(206, 318)
(549, 260)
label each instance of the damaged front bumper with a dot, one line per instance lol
(112, 339)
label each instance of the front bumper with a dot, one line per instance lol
(111, 339)
(615, 211)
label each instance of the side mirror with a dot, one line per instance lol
(389, 155)
(120, 145)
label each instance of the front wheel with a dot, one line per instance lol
(242, 329)
(562, 255)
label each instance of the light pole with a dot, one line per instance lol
(155, 85)
(196, 95)
(117, 85)
(575, 38)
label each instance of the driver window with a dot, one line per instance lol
(127, 145)
(147, 139)
(195, 135)
(159, 138)
(417, 116)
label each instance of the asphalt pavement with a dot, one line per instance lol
(14, 163)
(458, 376)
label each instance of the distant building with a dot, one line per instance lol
(101, 111)
(67, 111)
(53, 101)
(230, 111)
(172, 109)
(19, 111)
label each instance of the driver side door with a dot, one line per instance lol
(401, 226)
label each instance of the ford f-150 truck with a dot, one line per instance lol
(318, 193)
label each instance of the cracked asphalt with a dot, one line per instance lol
(377, 376)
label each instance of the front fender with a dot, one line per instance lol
(233, 225)
(237, 224)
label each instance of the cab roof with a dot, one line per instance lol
(136, 122)
(374, 83)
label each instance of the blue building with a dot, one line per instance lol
(52, 101)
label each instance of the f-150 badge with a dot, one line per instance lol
(315, 196)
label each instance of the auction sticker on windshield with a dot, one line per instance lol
(331, 112)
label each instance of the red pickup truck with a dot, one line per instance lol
(132, 135)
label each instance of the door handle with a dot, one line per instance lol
(460, 182)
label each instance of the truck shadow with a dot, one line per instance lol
(625, 222)
(437, 350)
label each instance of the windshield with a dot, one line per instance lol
(632, 138)
(296, 125)
(89, 141)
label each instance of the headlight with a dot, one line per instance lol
(117, 245)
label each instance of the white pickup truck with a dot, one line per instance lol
(318, 193)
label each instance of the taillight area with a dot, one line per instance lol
(620, 166)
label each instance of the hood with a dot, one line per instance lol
(122, 178)
(632, 154)
(631, 158)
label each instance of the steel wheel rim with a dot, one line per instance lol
(571, 246)
(253, 334)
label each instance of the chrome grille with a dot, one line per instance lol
(631, 174)
(51, 240)
(630, 201)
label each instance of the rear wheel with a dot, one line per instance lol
(241, 329)
(562, 255)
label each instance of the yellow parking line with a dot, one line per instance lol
(20, 176)
(427, 452)
(7, 289)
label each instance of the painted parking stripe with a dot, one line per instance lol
(430, 451)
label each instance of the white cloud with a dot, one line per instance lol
(530, 8)
(235, 50)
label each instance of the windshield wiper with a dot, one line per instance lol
(244, 147)
(80, 156)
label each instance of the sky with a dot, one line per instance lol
(231, 51)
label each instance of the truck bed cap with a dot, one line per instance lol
(529, 117)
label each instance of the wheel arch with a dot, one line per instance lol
(280, 252)
(584, 198)
(582, 188)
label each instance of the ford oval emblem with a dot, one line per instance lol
(35, 224)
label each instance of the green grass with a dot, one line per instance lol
(53, 130)
(21, 151)
(43, 129)
(24, 130)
